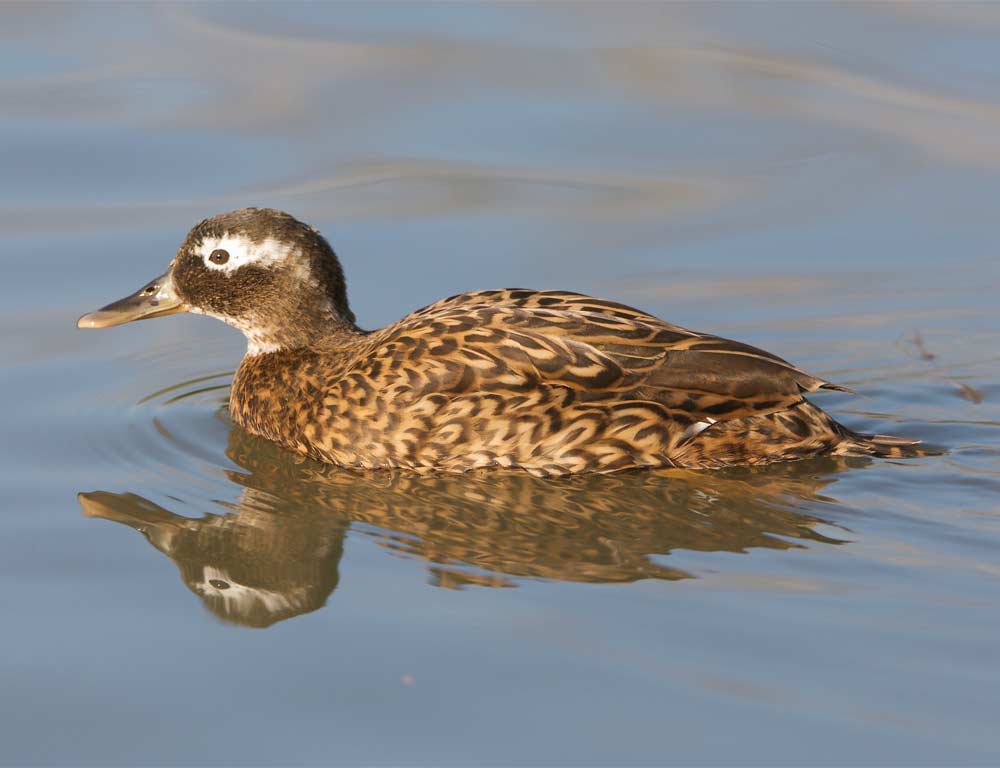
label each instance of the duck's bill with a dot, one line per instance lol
(155, 299)
(154, 522)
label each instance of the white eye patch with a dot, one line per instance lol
(242, 251)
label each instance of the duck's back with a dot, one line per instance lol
(547, 381)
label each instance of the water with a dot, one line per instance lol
(819, 180)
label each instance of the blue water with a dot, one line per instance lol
(819, 180)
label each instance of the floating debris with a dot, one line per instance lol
(917, 343)
(969, 393)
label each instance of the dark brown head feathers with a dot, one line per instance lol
(279, 283)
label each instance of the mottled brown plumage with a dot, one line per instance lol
(546, 381)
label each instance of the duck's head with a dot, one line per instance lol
(257, 269)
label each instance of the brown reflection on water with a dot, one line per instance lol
(276, 553)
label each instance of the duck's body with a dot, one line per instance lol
(544, 381)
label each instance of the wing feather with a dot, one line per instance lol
(603, 351)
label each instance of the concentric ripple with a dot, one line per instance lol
(157, 414)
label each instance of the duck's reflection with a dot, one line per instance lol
(275, 553)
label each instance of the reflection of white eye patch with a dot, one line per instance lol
(239, 599)
(242, 251)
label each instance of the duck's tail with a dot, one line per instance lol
(799, 432)
(883, 446)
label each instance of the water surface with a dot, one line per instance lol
(818, 180)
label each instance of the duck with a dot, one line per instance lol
(546, 381)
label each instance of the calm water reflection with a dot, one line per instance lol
(277, 553)
(819, 179)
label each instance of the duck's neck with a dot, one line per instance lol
(306, 327)
(272, 383)
(326, 336)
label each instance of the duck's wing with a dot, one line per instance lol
(518, 339)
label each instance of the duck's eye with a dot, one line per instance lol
(219, 256)
(219, 583)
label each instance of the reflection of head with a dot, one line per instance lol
(257, 568)
(276, 554)
(254, 606)
(254, 568)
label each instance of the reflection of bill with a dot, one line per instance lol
(275, 554)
